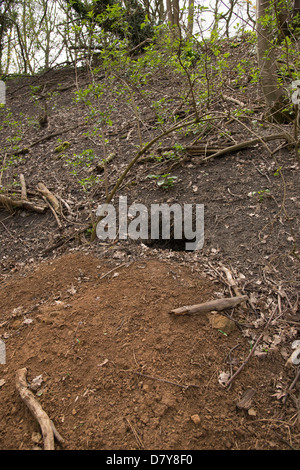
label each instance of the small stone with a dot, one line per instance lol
(36, 383)
(146, 388)
(220, 322)
(196, 419)
(251, 412)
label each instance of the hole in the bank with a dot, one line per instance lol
(174, 241)
(172, 244)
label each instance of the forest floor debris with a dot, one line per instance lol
(120, 372)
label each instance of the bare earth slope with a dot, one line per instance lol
(118, 371)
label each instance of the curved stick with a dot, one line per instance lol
(35, 408)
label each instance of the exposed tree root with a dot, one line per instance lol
(47, 426)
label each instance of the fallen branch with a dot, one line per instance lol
(49, 196)
(233, 100)
(195, 150)
(141, 44)
(26, 150)
(55, 134)
(36, 409)
(10, 204)
(213, 305)
(64, 240)
(246, 144)
(214, 152)
(53, 212)
(192, 150)
(232, 283)
(57, 436)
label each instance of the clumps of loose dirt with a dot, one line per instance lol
(117, 371)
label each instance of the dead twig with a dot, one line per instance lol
(25, 150)
(232, 283)
(141, 44)
(292, 385)
(114, 269)
(9, 203)
(233, 100)
(23, 187)
(37, 411)
(245, 144)
(64, 240)
(219, 304)
(53, 212)
(166, 381)
(228, 358)
(138, 440)
(42, 189)
(252, 350)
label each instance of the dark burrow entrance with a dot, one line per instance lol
(172, 244)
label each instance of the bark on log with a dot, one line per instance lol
(213, 305)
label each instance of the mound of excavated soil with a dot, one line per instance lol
(120, 372)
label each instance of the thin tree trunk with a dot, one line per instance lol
(176, 10)
(296, 8)
(190, 17)
(266, 57)
(8, 55)
(170, 12)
